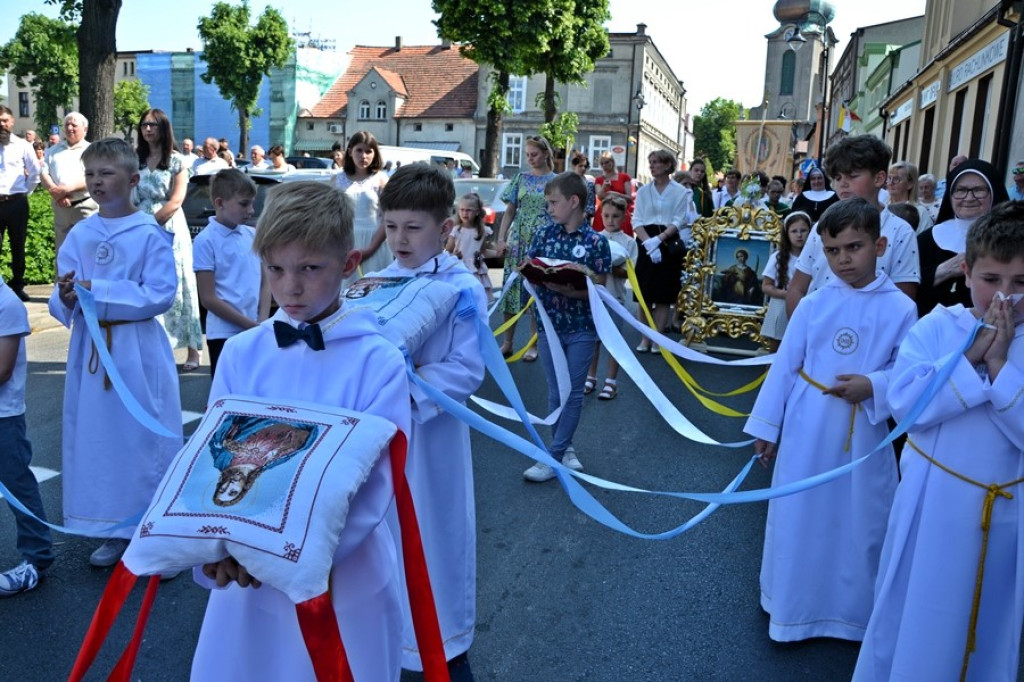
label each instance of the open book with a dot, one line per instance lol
(543, 270)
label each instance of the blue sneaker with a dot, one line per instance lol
(21, 578)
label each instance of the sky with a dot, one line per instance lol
(716, 49)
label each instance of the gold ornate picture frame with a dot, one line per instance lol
(722, 274)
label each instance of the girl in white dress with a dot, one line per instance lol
(362, 180)
(468, 238)
(779, 271)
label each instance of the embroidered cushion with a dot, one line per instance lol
(266, 483)
(541, 270)
(408, 309)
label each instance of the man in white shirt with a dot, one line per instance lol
(209, 163)
(258, 157)
(188, 153)
(19, 175)
(63, 176)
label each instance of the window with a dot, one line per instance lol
(788, 73)
(364, 109)
(517, 95)
(310, 124)
(417, 127)
(124, 71)
(449, 127)
(599, 144)
(926, 139)
(512, 149)
(277, 95)
(979, 127)
(382, 109)
(133, 68)
(23, 110)
(958, 119)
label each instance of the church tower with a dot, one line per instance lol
(795, 79)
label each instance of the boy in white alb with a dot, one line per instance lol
(859, 166)
(112, 464)
(969, 437)
(416, 204)
(228, 271)
(253, 634)
(824, 404)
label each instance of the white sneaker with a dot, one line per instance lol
(21, 578)
(109, 553)
(539, 473)
(570, 460)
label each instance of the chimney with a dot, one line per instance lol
(446, 44)
(641, 29)
(398, 43)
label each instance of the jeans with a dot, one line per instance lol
(579, 351)
(34, 541)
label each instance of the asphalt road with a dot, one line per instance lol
(561, 597)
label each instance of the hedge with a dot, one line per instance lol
(39, 253)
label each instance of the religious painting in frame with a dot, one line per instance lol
(721, 280)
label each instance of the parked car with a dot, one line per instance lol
(307, 162)
(198, 206)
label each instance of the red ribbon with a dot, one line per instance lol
(118, 587)
(319, 626)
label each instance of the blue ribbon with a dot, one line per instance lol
(87, 302)
(102, 532)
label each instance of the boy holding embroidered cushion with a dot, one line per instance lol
(313, 349)
(416, 206)
(956, 529)
(567, 237)
(824, 401)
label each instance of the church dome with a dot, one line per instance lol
(810, 11)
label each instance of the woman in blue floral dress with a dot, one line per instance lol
(525, 211)
(163, 181)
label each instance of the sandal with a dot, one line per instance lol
(507, 350)
(641, 348)
(531, 355)
(609, 391)
(190, 366)
(589, 385)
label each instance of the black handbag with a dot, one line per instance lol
(674, 247)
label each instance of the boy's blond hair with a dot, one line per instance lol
(115, 150)
(314, 214)
(229, 183)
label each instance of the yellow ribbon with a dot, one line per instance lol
(698, 391)
(992, 491)
(853, 406)
(518, 355)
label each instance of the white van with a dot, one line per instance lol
(405, 155)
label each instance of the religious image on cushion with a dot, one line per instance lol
(408, 309)
(267, 483)
(541, 270)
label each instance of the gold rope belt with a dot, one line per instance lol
(853, 406)
(992, 490)
(94, 356)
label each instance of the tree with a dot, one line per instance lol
(131, 101)
(502, 34)
(574, 40)
(238, 56)
(44, 51)
(97, 57)
(714, 132)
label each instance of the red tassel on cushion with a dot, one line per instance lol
(123, 670)
(319, 625)
(421, 596)
(118, 587)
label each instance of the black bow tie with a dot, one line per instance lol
(286, 335)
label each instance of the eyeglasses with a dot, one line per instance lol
(895, 179)
(148, 124)
(1019, 170)
(976, 192)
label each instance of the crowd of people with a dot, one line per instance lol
(881, 281)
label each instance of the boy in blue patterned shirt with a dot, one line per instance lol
(568, 237)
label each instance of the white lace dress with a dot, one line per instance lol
(365, 195)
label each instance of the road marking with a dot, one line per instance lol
(41, 474)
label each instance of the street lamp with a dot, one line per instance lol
(638, 102)
(794, 37)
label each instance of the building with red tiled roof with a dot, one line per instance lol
(415, 95)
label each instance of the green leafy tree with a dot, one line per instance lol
(503, 34)
(561, 132)
(238, 56)
(43, 54)
(97, 59)
(714, 132)
(131, 101)
(574, 39)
